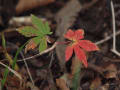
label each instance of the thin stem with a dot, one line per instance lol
(26, 65)
(66, 42)
(75, 71)
(114, 28)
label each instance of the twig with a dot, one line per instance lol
(51, 61)
(46, 51)
(114, 28)
(26, 65)
(107, 38)
(13, 71)
(114, 50)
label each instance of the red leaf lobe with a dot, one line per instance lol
(88, 45)
(68, 52)
(81, 55)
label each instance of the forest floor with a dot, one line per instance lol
(93, 16)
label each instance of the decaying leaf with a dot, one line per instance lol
(24, 5)
(30, 45)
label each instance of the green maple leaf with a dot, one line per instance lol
(38, 33)
(42, 27)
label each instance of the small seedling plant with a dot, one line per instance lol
(38, 34)
(78, 45)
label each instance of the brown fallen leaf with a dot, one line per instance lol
(95, 83)
(111, 71)
(62, 84)
(24, 5)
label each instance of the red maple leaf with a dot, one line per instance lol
(78, 46)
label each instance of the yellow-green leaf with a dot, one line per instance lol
(28, 31)
(43, 45)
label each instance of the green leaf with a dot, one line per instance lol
(37, 39)
(47, 28)
(42, 27)
(43, 45)
(29, 31)
(38, 23)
